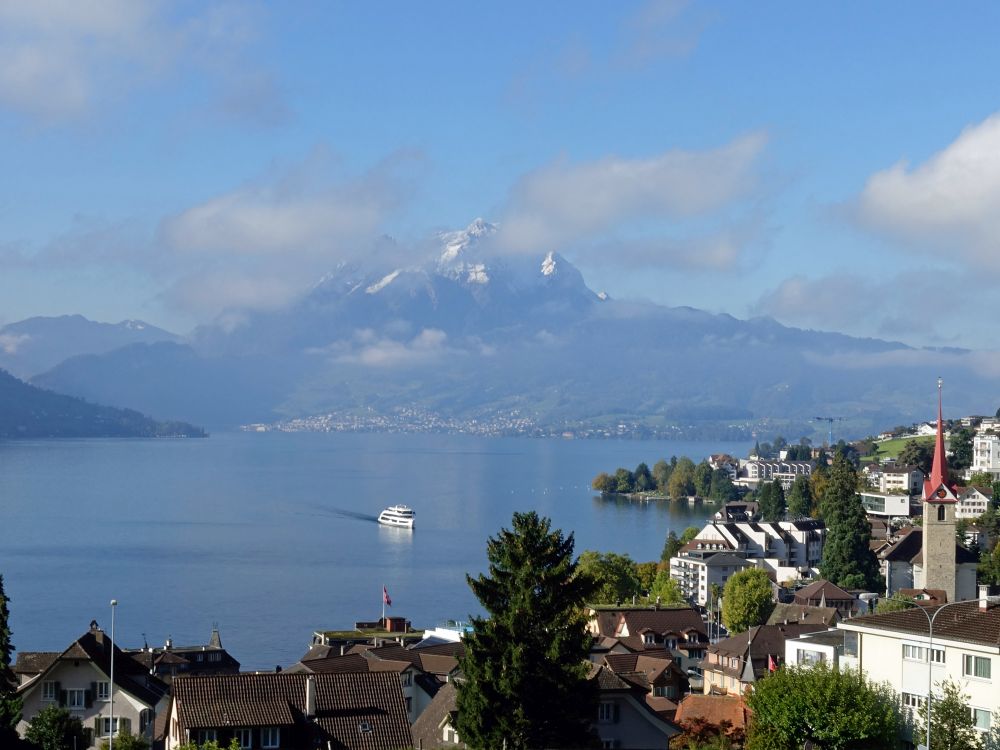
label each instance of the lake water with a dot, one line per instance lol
(273, 536)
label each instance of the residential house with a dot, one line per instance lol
(79, 679)
(435, 727)
(823, 593)
(973, 501)
(900, 480)
(884, 505)
(735, 663)
(282, 711)
(658, 675)
(624, 718)
(676, 631)
(783, 614)
(168, 661)
(896, 647)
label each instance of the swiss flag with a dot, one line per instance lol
(385, 596)
(772, 665)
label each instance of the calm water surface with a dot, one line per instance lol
(273, 535)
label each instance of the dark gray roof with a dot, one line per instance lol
(725, 558)
(427, 729)
(962, 621)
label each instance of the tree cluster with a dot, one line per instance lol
(677, 478)
(618, 579)
(771, 501)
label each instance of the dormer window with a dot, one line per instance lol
(649, 639)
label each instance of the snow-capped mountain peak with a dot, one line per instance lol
(457, 242)
(549, 264)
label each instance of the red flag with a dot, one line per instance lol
(772, 665)
(385, 596)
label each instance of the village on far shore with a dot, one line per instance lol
(664, 671)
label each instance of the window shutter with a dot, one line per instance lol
(617, 714)
(97, 727)
(124, 725)
(88, 698)
(62, 697)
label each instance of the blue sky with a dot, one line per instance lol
(835, 166)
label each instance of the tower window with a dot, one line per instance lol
(940, 512)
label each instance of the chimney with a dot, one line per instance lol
(310, 696)
(984, 597)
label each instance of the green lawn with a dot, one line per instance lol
(894, 446)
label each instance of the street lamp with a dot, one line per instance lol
(111, 723)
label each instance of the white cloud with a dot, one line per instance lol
(984, 363)
(261, 244)
(427, 347)
(947, 206)
(592, 203)
(903, 306)
(11, 342)
(59, 59)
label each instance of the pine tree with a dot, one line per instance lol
(800, 498)
(525, 665)
(847, 557)
(10, 704)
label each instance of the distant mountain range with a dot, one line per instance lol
(468, 335)
(30, 412)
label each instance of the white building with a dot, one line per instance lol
(985, 455)
(896, 648)
(754, 472)
(973, 501)
(904, 479)
(789, 549)
(698, 572)
(887, 506)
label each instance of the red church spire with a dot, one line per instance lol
(939, 469)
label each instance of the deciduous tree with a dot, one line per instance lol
(603, 483)
(952, 725)
(644, 481)
(681, 483)
(525, 664)
(615, 576)
(666, 590)
(747, 600)
(54, 728)
(829, 708)
(919, 453)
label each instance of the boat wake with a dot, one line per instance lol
(344, 513)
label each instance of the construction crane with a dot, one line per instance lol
(830, 421)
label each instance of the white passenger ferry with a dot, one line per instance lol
(397, 515)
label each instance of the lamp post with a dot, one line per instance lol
(111, 722)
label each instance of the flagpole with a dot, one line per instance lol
(383, 606)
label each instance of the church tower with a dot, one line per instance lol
(939, 519)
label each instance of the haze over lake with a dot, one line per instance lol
(274, 535)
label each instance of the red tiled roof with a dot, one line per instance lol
(712, 709)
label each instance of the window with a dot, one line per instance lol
(851, 644)
(76, 698)
(811, 658)
(606, 713)
(103, 691)
(649, 639)
(981, 717)
(215, 656)
(911, 701)
(106, 726)
(976, 666)
(940, 517)
(49, 692)
(406, 679)
(205, 735)
(937, 655)
(270, 737)
(245, 738)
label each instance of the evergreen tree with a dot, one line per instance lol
(624, 481)
(671, 546)
(525, 665)
(847, 557)
(952, 725)
(10, 703)
(643, 478)
(722, 488)
(800, 501)
(772, 501)
(703, 479)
